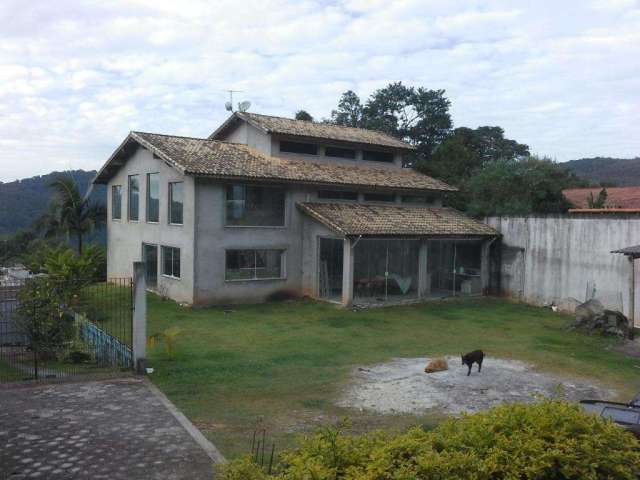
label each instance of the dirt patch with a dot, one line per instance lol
(401, 386)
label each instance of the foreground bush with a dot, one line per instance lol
(547, 440)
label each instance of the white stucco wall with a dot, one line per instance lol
(125, 237)
(558, 257)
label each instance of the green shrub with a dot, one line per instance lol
(547, 440)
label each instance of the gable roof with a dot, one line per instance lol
(203, 157)
(364, 219)
(312, 130)
(617, 197)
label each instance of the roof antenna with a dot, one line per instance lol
(242, 106)
(229, 105)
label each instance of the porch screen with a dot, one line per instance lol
(386, 270)
(453, 268)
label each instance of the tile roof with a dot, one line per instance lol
(319, 130)
(198, 156)
(375, 219)
(633, 251)
(617, 197)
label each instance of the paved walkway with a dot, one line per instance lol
(117, 429)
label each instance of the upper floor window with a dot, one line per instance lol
(377, 156)
(255, 206)
(414, 199)
(254, 264)
(153, 197)
(340, 152)
(175, 203)
(171, 262)
(298, 147)
(421, 199)
(379, 197)
(116, 202)
(134, 197)
(337, 195)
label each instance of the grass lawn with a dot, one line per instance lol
(284, 363)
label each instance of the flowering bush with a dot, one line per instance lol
(546, 440)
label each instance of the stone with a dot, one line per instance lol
(588, 310)
(593, 317)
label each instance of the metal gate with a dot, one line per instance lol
(55, 329)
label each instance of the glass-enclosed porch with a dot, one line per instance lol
(402, 270)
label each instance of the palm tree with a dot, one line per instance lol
(69, 213)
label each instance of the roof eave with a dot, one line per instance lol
(119, 156)
(359, 186)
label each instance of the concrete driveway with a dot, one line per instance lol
(116, 429)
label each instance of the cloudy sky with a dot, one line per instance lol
(75, 77)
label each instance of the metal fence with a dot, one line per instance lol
(54, 328)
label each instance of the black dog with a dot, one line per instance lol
(476, 356)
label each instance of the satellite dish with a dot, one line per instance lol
(244, 106)
(228, 106)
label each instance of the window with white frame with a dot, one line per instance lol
(175, 202)
(254, 264)
(116, 202)
(171, 262)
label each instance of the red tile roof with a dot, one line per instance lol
(617, 197)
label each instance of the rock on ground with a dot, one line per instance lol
(401, 386)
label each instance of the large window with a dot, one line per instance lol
(377, 156)
(298, 147)
(153, 197)
(134, 197)
(254, 264)
(340, 152)
(337, 195)
(171, 262)
(175, 203)
(379, 197)
(116, 202)
(253, 206)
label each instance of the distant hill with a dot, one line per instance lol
(23, 201)
(620, 172)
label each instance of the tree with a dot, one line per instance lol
(70, 214)
(303, 115)
(349, 112)
(417, 115)
(599, 202)
(518, 187)
(468, 150)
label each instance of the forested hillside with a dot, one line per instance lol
(23, 201)
(607, 171)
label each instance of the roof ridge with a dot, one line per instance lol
(178, 136)
(325, 123)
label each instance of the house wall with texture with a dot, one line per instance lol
(125, 237)
(567, 258)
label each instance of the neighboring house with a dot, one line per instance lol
(619, 199)
(267, 204)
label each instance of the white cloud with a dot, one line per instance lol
(75, 76)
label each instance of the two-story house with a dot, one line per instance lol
(268, 204)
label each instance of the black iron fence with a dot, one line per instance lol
(56, 328)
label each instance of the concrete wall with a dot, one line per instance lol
(247, 134)
(563, 257)
(125, 237)
(213, 238)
